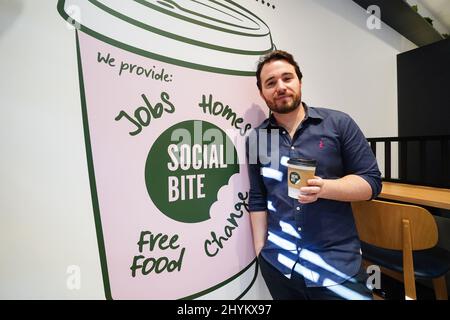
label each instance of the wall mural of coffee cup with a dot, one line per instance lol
(168, 94)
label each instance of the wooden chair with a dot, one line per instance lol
(402, 239)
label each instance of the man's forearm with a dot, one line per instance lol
(348, 188)
(259, 229)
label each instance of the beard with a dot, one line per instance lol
(285, 108)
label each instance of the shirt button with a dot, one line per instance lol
(292, 148)
(284, 132)
(298, 208)
(299, 229)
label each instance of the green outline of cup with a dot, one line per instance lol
(88, 147)
(96, 207)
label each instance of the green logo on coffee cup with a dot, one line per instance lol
(186, 167)
(294, 177)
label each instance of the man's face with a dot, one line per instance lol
(280, 86)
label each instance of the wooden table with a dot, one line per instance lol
(427, 196)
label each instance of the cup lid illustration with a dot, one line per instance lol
(219, 36)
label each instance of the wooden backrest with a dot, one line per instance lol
(382, 224)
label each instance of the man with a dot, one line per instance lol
(308, 248)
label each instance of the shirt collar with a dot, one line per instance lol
(310, 112)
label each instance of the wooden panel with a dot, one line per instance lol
(428, 196)
(408, 265)
(380, 223)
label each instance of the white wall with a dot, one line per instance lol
(345, 65)
(46, 219)
(46, 214)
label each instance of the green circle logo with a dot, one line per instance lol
(294, 177)
(186, 167)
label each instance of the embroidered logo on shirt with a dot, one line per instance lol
(321, 144)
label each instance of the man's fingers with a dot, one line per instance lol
(315, 182)
(306, 199)
(310, 190)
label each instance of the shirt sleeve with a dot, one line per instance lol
(257, 193)
(357, 155)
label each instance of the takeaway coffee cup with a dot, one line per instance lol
(299, 171)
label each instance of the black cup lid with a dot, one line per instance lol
(302, 162)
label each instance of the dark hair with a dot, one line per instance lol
(274, 56)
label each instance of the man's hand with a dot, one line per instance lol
(259, 229)
(311, 193)
(349, 188)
